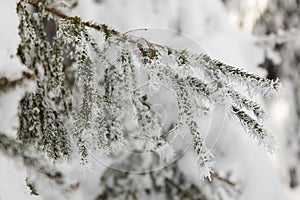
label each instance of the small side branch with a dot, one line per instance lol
(7, 83)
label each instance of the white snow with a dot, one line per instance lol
(206, 22)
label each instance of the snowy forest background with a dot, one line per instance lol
(261, 36)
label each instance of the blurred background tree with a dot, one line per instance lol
(276, 24)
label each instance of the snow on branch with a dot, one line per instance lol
(110, 92)
(41, 169)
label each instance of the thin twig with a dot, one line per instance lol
(7, 83)
(48, 9)
(224, 180)
(100, 27)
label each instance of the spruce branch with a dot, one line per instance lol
(218, 75)
(15, 149)
(43, 112)
(36, 164)
(210, 63)
(256, 130)
(100, 114)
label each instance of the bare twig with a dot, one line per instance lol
(224, 180)
(7, 83)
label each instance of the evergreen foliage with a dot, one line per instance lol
(87, 116)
